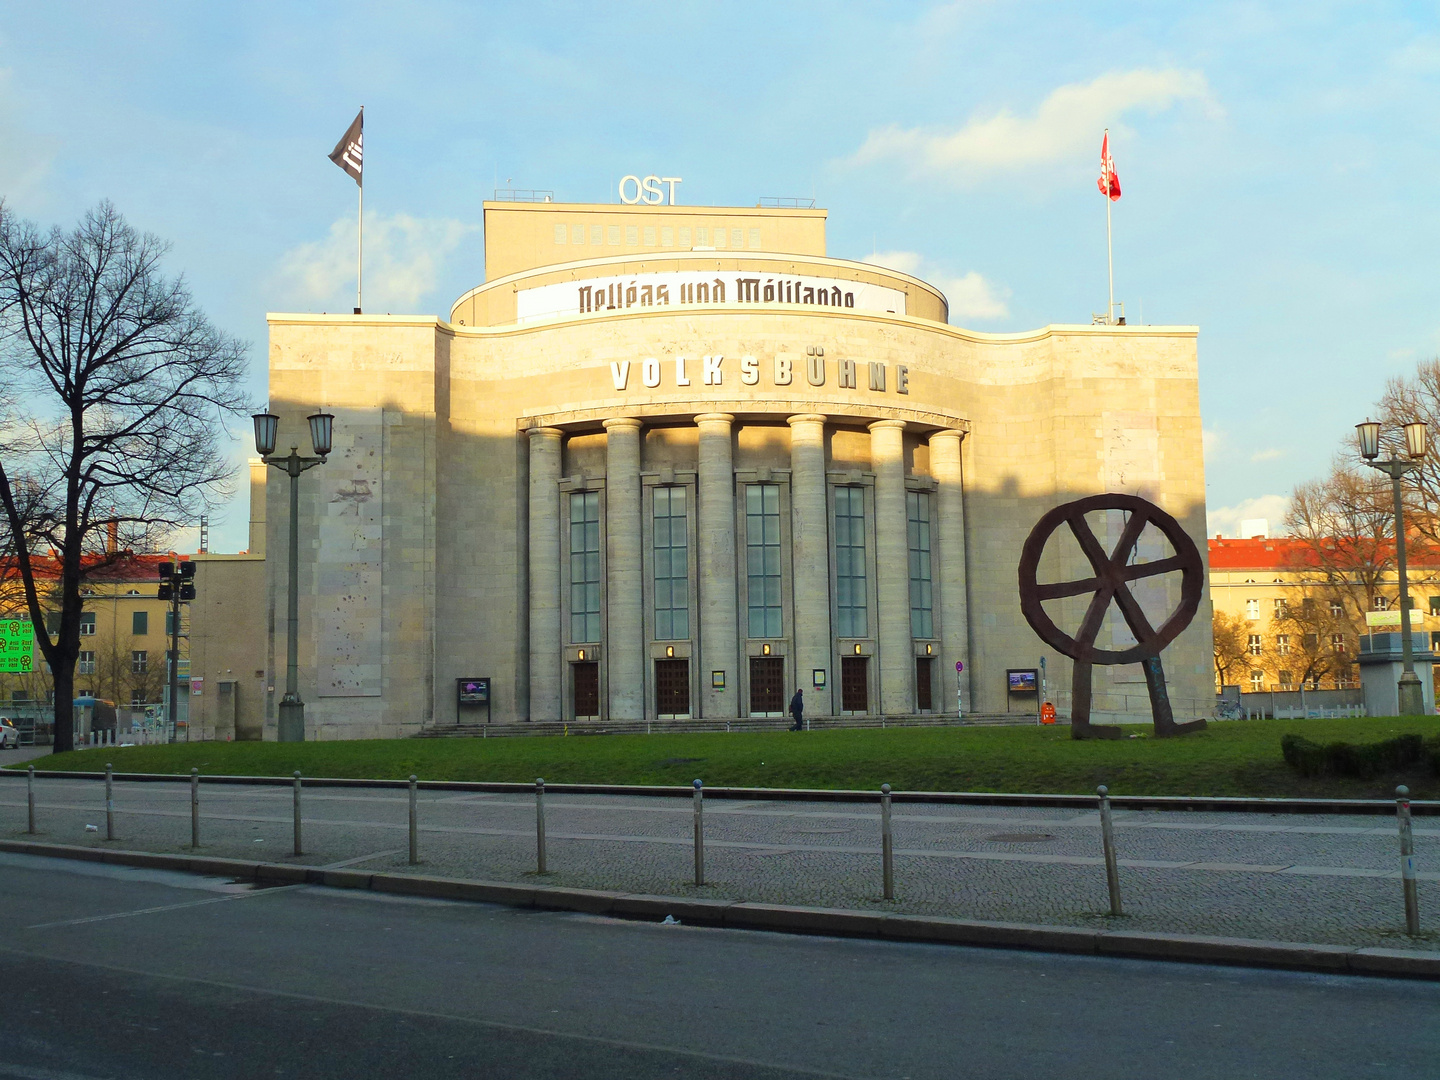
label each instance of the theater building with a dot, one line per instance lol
(673, 463)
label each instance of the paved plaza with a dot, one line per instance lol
(1310, 878)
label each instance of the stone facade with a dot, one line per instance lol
(227, 643)
(662, 489)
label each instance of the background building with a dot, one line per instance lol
(674, 462)
(1287, 614)
(124, 635)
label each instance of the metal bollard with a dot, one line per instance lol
(1407, 861)
(297, 812)
(699, 833)
(887, 846)
(109, 802)
(539, 825)
(30, 797)
(194, 808)
(1107, 837)
(414, 823)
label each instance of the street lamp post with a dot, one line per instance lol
(292, 709)
(1411, 694)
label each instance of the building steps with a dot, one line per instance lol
(664, 727)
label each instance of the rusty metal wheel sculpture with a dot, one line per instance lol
(1111, 584)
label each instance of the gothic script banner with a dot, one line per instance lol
(686, 288)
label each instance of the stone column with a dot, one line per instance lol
(892, 567)
(947, 539)
(715, 526)
(625, 627)
(544, 599)
(810, 545)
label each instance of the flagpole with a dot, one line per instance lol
(360, 252)
(1109, 242)
(360, 235)
(1110, 253)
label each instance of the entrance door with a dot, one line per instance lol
(672, 689)
(586, 676)
(854, 684)
(924, 697)
(767, 686)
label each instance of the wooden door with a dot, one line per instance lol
(924, 686)
(767, 686)
(586, 685)
(854, 684)
(672, 688)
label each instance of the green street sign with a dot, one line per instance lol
(17, 646)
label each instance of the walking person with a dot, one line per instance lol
(797, 710)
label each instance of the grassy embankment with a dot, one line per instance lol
(1231, 758)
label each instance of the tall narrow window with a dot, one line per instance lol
(585, 566)
(850, 589)
(672, 565)
(922, 601)
(762, 548)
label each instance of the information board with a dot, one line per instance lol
(17, 646)
(472, 693)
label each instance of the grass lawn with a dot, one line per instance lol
(1231, 758)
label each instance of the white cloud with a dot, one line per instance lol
(1225, 520)
(403, 257)
(1268, 454)
(1211, 440)
(1066, 125)
(971, 296)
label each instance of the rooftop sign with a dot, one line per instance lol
(634, 190)
(684, 288)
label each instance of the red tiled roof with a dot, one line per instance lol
(1280, 553)
(127, 566)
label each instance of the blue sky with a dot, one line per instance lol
(1279, 163)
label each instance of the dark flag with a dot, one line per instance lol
(347, 153)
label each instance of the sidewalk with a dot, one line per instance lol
(1323, 879)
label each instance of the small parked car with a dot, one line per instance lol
(9, 733)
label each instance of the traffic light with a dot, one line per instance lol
(173, 577)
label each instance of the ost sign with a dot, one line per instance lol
(635, 190)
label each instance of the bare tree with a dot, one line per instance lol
(1231, 647)
(1306, 634)
(1344, 525)
(120, 392)
(1406, 400)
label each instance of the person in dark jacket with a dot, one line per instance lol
(797, 710)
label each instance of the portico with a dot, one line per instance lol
(721, 588)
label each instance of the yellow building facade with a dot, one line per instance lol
(671, 463)
(1265, 583)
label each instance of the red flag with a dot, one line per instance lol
(1108, 183)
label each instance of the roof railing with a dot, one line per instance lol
(523, 195)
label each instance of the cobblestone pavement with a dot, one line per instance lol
(1316, 878)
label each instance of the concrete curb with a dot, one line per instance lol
(1222, 803)
(831, 922)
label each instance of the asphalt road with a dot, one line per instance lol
(123, 973)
